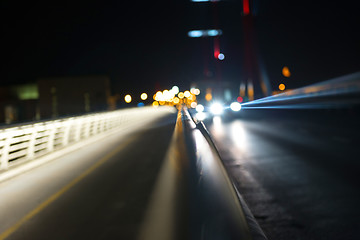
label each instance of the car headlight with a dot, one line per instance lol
(235, 106)
(216, 109)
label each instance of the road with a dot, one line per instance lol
(97, 192)
(298, 172)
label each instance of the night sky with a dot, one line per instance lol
(143, 45)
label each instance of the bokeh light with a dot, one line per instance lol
(286, 72)
(128, 98)
(143, 96)
(159, 96)
(221, 56)
(193, 105)
(200, 108)
(216, 108)
(166, 95)
(175, 89)
(155, 104)
(235, 106)
(208, 97)
(281, 87)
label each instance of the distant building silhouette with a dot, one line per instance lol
(18, 102)
(54, 97)
(64, 96)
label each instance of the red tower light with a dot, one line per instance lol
(246, 7)
(216, 53)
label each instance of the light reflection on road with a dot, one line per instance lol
(233, 132)
(217, 127)
(238, 134)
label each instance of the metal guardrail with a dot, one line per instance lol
(30, 141)
(194, 198)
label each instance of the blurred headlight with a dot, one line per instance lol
(216, 109)
(235, 106)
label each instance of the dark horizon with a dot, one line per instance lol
(143, 46)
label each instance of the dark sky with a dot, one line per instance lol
(144, 45)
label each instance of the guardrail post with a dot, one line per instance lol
(96, 125)
(101, 125)
(66, 126)
(87, 127)
(31, 146)
(50, 145)
(78, 123)
(5, 153)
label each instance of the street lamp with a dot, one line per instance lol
(204, 33)
(221, 56)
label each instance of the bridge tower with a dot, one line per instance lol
(255, 83)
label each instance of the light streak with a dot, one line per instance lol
(335, 93)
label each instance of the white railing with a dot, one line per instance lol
(30, 141)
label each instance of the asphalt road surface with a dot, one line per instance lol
(98, 192)
(298, 171)
(299, 174)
